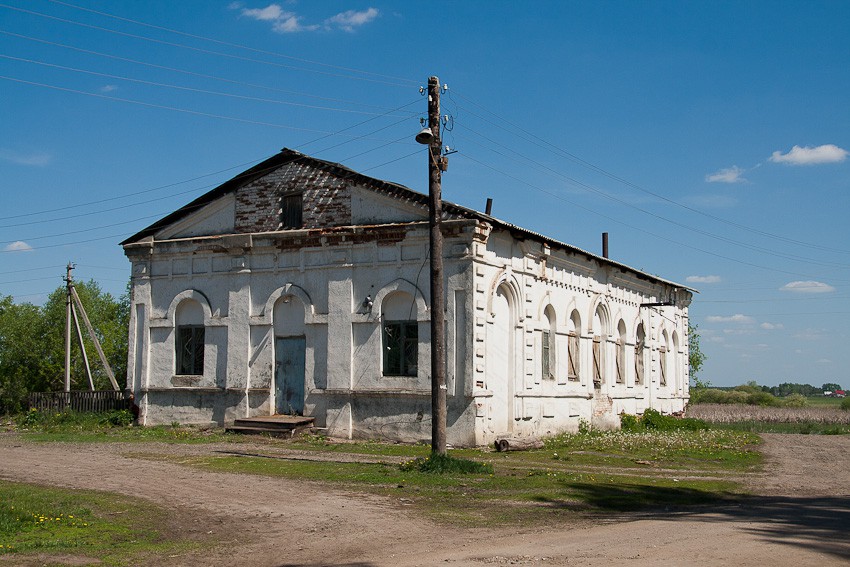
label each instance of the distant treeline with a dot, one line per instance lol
(786, 394)
(788, 388)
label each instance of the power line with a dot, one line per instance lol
(622, 223)
(99, 211)
(31, 238)
(32, 270)
(192, 89)
(540, 142)
(166, 107)
(127, 196)
(188, 72)
(229, 44)
(198, 49)
(109, 210)
(625, 203)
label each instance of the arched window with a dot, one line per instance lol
(621, 353)
(573, 353)
(547, 344)
(673, 360)
(640, 348)
(400, 335)
(662, 360)
(600, 332)
(189, 338)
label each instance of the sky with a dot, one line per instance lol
(709, 139)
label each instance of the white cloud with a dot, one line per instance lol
(771, 326)
(727, 175)
(283, 21)
(108, 88)
(737, 318)
(290, 24)
(703, 279)
(807, 287)
(738, 331)
(350, 19)
(827, 153)
(37, 159)
(17, 246)
(809, 335)
(269, 13)
(823, 361)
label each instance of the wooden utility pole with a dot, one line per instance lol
(438, 300)
(68, 285)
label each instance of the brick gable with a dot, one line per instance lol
(326, 199)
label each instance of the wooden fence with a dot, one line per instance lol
(83, 401)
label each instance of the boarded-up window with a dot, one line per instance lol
(572, 356)
(662, 363)
(190, 350)
(546, 355)
(639, 347)
(597, 362)
(621, 361)
(291, 210)
(401, 348)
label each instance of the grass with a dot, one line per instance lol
(93, 526)
(588, 472)
(644, 466)
(71, 426)
(823, 401)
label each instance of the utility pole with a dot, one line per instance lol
(438, 300)
(68, 285)
(72, 304)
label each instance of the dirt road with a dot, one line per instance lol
(801, 515)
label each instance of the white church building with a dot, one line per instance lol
(301, 287)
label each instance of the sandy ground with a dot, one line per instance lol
(800, 516)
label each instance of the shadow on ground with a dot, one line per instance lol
(816, 523)
(326, 564)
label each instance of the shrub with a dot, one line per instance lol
(845, 404)
(629, 422)
(795, 401)
(445, 464)
(714, 396)
(74, 420)
(763, 399)
(652, 420)
(117, 418)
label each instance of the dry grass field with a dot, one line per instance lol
(737, 413)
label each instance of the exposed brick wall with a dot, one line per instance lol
(326, 199)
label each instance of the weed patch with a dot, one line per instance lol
(83, 523)
(446, 464)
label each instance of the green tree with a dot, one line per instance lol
(831, 387)
(23, 364)
(696, 358)
(32, 344)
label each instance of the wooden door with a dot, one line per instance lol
(289, 375)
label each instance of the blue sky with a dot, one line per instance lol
(709, 139)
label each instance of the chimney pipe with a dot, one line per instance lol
(604, 244)
(489, 207)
